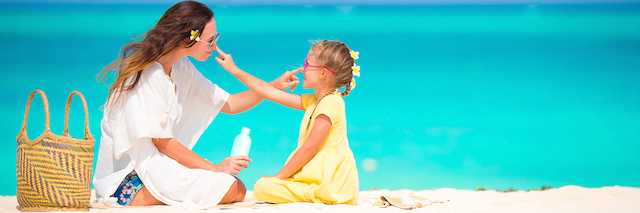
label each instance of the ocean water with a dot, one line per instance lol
(461, 96)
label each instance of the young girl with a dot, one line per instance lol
(322, 168)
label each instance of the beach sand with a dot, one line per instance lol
(564, 199)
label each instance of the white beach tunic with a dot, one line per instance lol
(179, 106)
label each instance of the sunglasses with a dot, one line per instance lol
(306, 65)
(213, 41)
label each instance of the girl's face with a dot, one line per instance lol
(207, 44)
(315, 75)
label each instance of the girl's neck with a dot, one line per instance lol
(321, 92)
(168, 60)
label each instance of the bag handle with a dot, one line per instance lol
(87, 131)
(45, 104)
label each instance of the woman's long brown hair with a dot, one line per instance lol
(172, 31)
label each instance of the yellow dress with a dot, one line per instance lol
(331, 176)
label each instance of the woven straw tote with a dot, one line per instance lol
(54, 172)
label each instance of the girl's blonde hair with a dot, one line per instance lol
(172, 30)
(336, 56)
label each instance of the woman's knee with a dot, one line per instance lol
(235, 193)
(241, 190)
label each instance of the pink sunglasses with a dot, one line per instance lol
(306, 65)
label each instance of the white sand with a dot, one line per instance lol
(614, 199)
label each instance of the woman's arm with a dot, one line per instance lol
(309, 149)
(261, 87)
(174, 149)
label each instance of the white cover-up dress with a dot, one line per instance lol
(179, 106)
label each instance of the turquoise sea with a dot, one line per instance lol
(462, 96)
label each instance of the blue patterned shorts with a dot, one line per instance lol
(128, 189)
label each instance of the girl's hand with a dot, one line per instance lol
(233, 165)
(226, 61)
(288, 79)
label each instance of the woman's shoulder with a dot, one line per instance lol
(186, 72)
(154, 75)
(185, 67)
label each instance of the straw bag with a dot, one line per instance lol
(54, 172)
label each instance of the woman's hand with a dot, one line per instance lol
(226, 61)
(233, 165)
(288, 79)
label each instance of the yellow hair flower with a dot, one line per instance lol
(353, 83)
(355, 70)
(354, 54)
(195, 35)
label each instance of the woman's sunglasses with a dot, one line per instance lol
(213, 41)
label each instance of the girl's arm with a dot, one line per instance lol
(241, 102)
(174, 149)
(261, 87)
(309, 149)
(246, 100)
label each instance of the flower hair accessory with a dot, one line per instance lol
(354, 54)
(355, 69)
(195, 35)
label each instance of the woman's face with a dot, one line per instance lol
(207, 44)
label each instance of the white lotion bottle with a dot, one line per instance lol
(242, 143)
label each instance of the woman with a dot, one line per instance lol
(158, 107)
